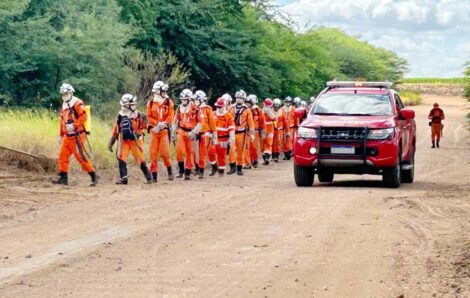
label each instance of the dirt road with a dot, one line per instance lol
(255, 236)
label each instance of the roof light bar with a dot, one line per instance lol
(333, 84)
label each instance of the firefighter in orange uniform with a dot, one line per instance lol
(207, 134)
(128, 130)
(270, 119)
(160, 113)
(185, 129)
(225, 127)
(72, 136)
(252, 155)
(244, 130)
(232, 150)
(290, 129)
(280, 127)
(436, 115)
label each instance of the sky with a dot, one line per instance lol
(432, 35)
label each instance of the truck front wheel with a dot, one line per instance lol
(304, 175)
(391, 177)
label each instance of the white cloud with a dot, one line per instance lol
(433, 35)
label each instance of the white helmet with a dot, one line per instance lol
(186, 94)
(127, 100)
(303, 104)
(228, 99)
(276, 102)
(65, 88)
(312, 99)
(159, 86)
(240, 94)
(297, 100)
(288, 99)
(253, 99)
(200, 95)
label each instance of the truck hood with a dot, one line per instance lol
(349, 121)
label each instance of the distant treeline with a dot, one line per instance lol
(108, 47)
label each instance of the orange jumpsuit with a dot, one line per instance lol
(252, 155)
(436, 116)
(136, 147)
(243, 126)
(224, 126)
(292, 125)
(232, 154)
(186, 120)
(73, 143)
(280, 126)
(206, 118)
(159, 142)
(268, 141)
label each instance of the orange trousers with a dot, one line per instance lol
(135, 147)
(204, 145)
(218, 154)
(255, 148)
(289, 141)
(159, 146)
(278, 141)
(436, 131)
(232, 154)
(184, 149)
(242, 141)
(70, 147)
(268, 143)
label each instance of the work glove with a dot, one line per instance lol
(231, 140)
(162, 125)
(252, 136)
(69, 128)
(173, 137)
(191, 135)
(156, 129)
(287, 134)
(263, 134)
(215, 139)
(111, 144)
(60, 139)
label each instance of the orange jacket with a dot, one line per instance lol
(75, 113)
(188, 119)
(157, 112)
(258, 118)
(224, 125)
(281, 120)
(243, 118)
(436, 115)
(292, 121)
(138, 124)
(206, 118)
(269, 122)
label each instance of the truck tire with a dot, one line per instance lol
(391, 177)
(408, 176)
(325, 176)
(304, 175)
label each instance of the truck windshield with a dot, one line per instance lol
(352, 104)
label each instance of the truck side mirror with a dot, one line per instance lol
(299, 113)
(407, 114)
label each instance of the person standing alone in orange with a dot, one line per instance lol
(128, 131)
(160, 113)
(72, 136)
(252, 155)
(436, 115)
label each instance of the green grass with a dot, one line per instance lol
(36, 132)
(410, 97)
(434, 81)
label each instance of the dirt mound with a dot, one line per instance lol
(435, 89)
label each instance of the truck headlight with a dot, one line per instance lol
(307, 133)
(381, 134)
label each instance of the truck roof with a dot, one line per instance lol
(358, 90)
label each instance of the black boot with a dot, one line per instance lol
(433, 144)
(437, 143)
(287, 155)
(233, 169)
(255, 164)
(155, 177)
(276, 157)
(63, 179)
(171, 177)
(266, 158)
(221, 172)
(247, 167)
(197, 170)
(145, 170)
(94, 178)
(122, 181)
(187, 174)
(122, 172)
(213, 170)
(239, 170)
(180, 170)
(201, 173)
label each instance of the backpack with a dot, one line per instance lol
(125, 125)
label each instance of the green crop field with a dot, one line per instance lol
(434, 81)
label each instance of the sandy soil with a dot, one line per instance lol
(254, 236)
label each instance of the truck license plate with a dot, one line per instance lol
(342, 150)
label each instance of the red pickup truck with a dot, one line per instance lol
(356, 128)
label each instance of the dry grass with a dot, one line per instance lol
(410, 98)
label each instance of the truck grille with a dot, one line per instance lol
(342, 134)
